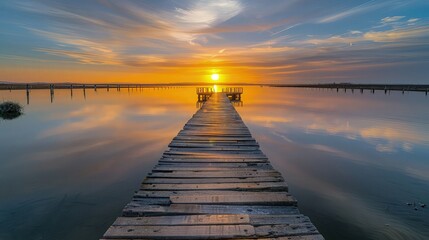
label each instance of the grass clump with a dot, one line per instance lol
(10, 110)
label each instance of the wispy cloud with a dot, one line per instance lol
(284, 29)
(204, 14)
(368, 6)
(397, 35)
(391, 19)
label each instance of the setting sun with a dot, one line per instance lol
(215, 76)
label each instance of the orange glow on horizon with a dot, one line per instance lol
(108, 74)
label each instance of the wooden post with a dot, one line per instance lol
(51, 86)
(28, 95)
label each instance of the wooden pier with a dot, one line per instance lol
(213, 183)
(233, 93)
(204, 93)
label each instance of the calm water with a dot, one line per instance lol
(352, 160)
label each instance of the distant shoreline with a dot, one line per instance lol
(352, 86)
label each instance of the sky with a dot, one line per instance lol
(253, 41)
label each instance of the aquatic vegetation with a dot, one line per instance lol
(10, 110)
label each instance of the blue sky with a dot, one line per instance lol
(303, 41)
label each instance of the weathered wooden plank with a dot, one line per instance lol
(162, 168)
(167, 194)
(213, 180)
(133, 209)
(215, 127)
(267, 186)
(216, 135)
(231, 144)
(230, 209)
(230, 134)
(213, 160)
(216, 164)
(305, 237)
(227, 130)
(218, 154)
(201, 151)
(232, 219)
(258, 220)
(262, 198)
(153, 201)
(181, 232)
(285, 230)
(215, 148)
(217, 174)
(215, 157)
(213, 138)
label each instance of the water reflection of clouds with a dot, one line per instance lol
(312, 168)
(107, 130)
(385, 140)
(75, 143)
(384, 136)
(152, 111)
(85, 118)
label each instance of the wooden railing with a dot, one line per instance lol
(204, 90)
(232, 90)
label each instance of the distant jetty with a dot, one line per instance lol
(23, 86)
(337, 86)
(361, 87)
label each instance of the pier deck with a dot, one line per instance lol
(213, 183)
